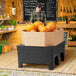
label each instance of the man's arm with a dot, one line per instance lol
(44, 18)
(32, 18)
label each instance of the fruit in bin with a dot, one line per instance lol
(33, 31)
(51, 26)
(43, 29)
(30, 27)
(38, 23)
(39, 27)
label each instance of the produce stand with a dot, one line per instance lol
(41, 55)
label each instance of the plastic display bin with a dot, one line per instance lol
(41, 55)
(43, 39)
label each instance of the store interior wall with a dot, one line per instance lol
(2, 7)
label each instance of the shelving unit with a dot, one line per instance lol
(4, 32)
(4, 19)
(71, 27)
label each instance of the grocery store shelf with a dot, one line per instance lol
(4, 18)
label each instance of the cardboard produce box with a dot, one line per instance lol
(42, 38)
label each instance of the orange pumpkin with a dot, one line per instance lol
(33, 31)
(38, 23)
(39, 27)
(51, 26)
(43, 29)
(30, 27)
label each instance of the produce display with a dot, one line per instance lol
(62, 18)
(38, 26)
(72, 38)
(73, 18)
(2, 28)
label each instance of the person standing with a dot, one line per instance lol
(38, 14)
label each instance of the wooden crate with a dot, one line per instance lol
(72, 43)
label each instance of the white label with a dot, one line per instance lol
(13, 11)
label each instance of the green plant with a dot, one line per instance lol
(72, 37)
(2, 27)
(12, 22)
(64, 18)
(4, 42)
(59, 18)
(73, 18)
